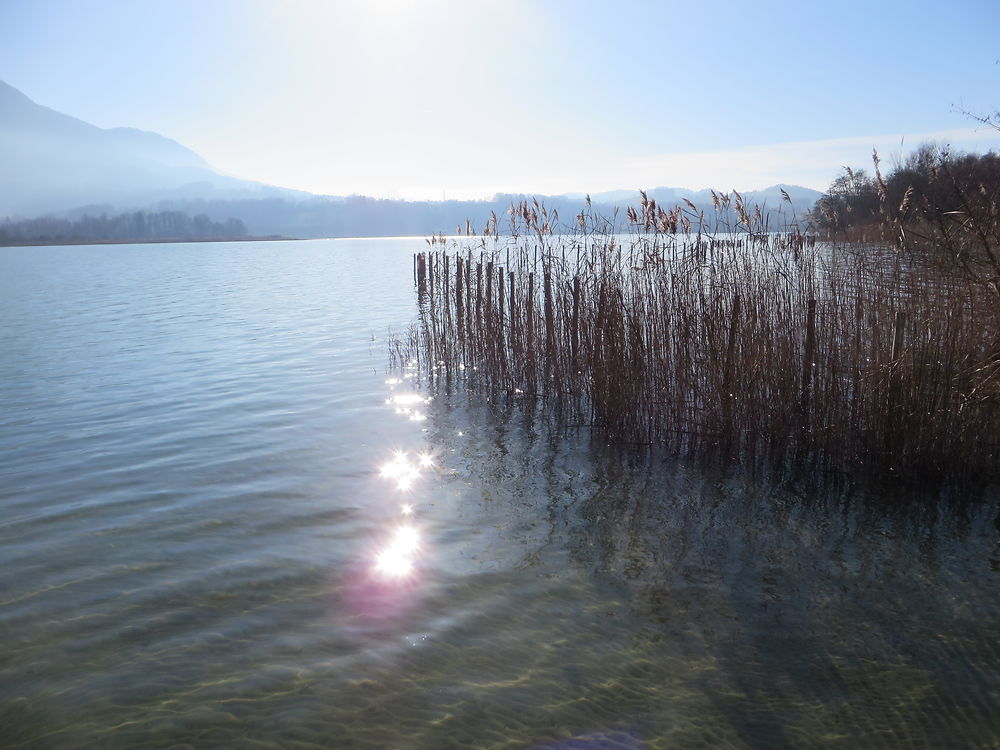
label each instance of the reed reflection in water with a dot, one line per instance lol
(694, 608)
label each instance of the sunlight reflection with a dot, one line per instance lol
(406, 540)
(401, 470)
(408, 399)
(393, 564)
(396, 560)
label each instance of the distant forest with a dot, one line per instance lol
(944, 206)
(929, 190)
(361, 216)
(125, 227)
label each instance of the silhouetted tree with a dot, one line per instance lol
(850, 202)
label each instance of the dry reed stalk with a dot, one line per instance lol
(750, 343)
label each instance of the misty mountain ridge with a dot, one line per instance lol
(53, 162)
(57, 164)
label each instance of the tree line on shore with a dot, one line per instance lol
(132, 226)
(943, 206)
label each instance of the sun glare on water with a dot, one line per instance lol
(401, 470)
(392, 564)
(396, 560)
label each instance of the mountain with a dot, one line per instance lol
(56, 164)
(53, 162)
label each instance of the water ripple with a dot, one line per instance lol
(193, 502)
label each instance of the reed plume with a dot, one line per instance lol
(735, 340)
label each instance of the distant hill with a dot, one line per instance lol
(802, 198)
(53, 162)
(360, 216)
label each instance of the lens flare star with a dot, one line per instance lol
(401, 470)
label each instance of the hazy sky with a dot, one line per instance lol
(424, 98)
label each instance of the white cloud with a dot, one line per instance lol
(809, 163)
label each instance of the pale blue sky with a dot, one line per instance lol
(421, 98)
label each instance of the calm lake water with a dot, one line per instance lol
(220, 526)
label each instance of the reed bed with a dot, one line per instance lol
(755, 344)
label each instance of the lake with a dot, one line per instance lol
(225, 523)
